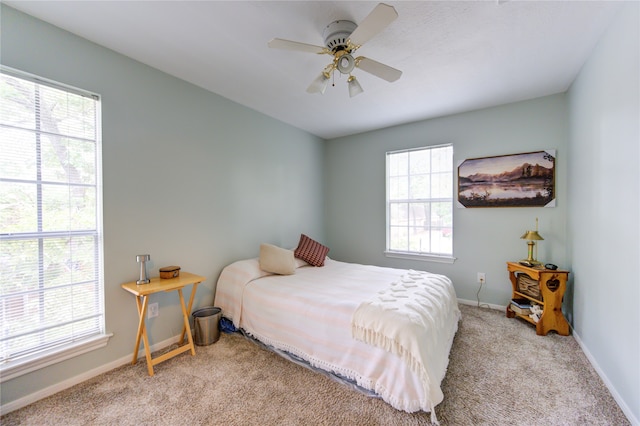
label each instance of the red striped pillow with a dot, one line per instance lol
(311, 251)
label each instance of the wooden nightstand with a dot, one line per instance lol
(546, 288)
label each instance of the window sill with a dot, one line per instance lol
(13, 369)
(420, 257)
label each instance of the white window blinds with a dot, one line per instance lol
(420, 201)
(51, 279)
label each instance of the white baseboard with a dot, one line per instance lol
(43, 393)
(482, 304)
(623, 406)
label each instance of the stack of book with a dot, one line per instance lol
(521, 306)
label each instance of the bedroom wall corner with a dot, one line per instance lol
(604, 207)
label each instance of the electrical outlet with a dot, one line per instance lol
(152, 310)
(481, 278)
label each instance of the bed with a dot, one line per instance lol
(388, 331)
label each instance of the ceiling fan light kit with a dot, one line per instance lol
(342, 38)
(319, 85)
(354, 86)
(345, 63)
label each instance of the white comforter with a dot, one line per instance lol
(310, 313)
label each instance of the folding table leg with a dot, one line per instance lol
(142, 309)
(184, 329)
(186, 323)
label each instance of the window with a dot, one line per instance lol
(420, 203)
(51, 278)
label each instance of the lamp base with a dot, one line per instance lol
(529, 262)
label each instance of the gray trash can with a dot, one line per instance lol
(206, 325)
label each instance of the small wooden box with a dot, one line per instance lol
(170, 272)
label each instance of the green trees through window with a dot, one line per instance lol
(420, 201)
(50, 209)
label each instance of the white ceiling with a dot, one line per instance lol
(455, 56)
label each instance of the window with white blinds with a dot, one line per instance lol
(51, 278)
(420, 203)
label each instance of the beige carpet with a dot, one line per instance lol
(500, 373)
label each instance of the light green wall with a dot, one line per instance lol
(241, 178)
(190, 178)
(604, 205)
(484, 238)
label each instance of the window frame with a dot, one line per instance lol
(71, 346)
(408, 254)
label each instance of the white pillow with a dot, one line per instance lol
(277, 260)
(299, 262)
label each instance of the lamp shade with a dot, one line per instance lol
(354, 87)
(345, 64)
(531, 236)
(319, 85)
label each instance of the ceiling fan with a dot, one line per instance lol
(342, 38)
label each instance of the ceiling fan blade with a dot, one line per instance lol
(279, 43)
(379, 18)
(378, 69)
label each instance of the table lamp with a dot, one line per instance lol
(142, 260)
(532, 237)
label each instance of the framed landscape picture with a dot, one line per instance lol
(516, 180)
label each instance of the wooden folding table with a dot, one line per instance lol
(142, 293)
